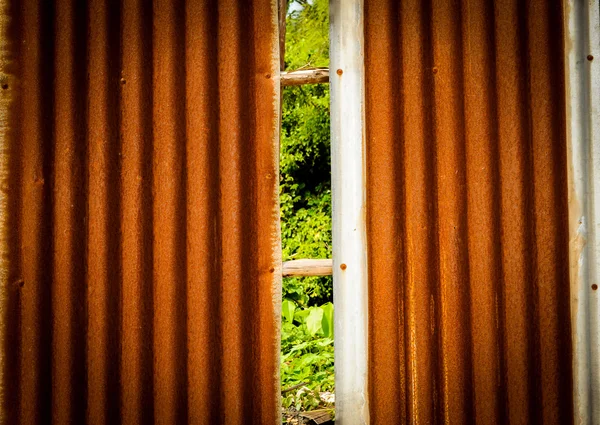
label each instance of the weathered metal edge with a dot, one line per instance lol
(582, 77)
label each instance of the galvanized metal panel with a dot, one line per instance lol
(582, 48)
(350, 274)
(467, 212)
(141, 192)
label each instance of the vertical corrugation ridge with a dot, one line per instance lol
(247, 74)
(483, 187)
(511, 93)
(426, 408)
(452, 300)
(230, 192)
(137, 367)
(204, 360)
(266, 236)
(143, 192)
(10, 281)
(479, 270)
(37, 243)
(385, 301)
(562, 300)
(550, 220)
(501, 390)
(529, 206)
(104, 256)
(68, 297)
(170, 404)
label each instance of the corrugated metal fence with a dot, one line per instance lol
(141, 254)
(467, 212)
(142, 212)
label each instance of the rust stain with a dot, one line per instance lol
(8, 282)
(142, 237)
(467, 213)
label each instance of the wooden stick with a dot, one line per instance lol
(308, 268)
(293, 387)
(321, 416)
(305, 76)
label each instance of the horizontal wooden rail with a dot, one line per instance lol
(305, 76)
(308, 268)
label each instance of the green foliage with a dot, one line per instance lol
(307, 34)
(305, 194)
(288, 308)
(305, 166)
(327, 322)
(307, 355)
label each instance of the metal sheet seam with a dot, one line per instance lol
(348, 174)
(582, 74)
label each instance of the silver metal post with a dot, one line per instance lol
(349, 202)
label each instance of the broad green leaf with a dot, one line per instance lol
(314, 319)
(300, 315)
(287, 310)
(327, 323)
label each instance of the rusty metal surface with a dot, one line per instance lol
(467, 212)
(142, 212)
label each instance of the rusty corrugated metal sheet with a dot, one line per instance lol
(143, 239)
(467, 212)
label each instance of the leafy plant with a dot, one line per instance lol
(305, 166)
(288, 308)
(305, 195)
(306, 354)
(327, 322)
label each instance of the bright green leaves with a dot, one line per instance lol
(327, 321)
(301, 315)
(288, 307)
(313, 321)
(305, 196)
(307, 35)
(306, 353)
(317, 320)
(305, 166)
